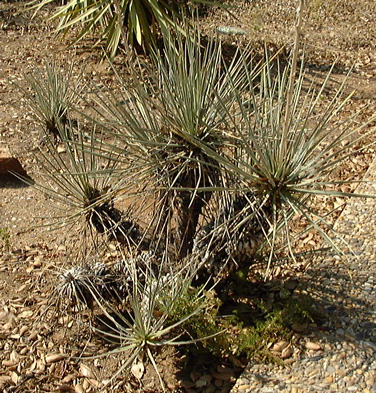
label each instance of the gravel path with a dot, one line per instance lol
(342, 356)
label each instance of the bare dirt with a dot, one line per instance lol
(339, 30)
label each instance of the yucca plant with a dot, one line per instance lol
(138, 22)
(192, 91)
(287, 150)
(286, 146)
(73, 289)
(50, 94)
(76, 285)
(170, 117)
(146, 324)
(85, 184)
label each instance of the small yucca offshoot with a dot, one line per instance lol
(152, 298)
(50, 95)
(104, 280)
(79, 285)
(75, 288)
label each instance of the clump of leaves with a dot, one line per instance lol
(286, 146)
(202, 325)
(77, 284)
(135, 22)
(86, 184)
(253, 342)
(145, 324)
(245, 326)
(299, 311)
(168, 120)
(74, 289)
(50, 95)
(286, 150)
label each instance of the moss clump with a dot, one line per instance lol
(229, 336)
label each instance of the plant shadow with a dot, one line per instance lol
(11, 181)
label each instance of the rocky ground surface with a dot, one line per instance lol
(342, 356)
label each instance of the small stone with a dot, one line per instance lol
(33, 336)
(210, 389)
(200, 383)
(23, 330)
(9, 363)
(187, 384)
(65, 388)
(218, 383)
(225, 370)
(280, 346)
(331, 369)
(223, 376)
(287, 352)
(206, 377)
(231, 30)
(79, 388)
(24, 351)
(312, 346)
(86, 371)
(328, 380)
(68, 378)
(55, 357)
(61, 149)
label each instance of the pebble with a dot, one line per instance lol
(55, 357)
(331, 370)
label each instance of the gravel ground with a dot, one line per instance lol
(341, 357)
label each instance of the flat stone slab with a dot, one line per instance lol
(9, 164)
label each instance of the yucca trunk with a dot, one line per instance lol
(230, 241)
(189, 209)
(189, 205)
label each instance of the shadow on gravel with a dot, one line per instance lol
(347, 305)
(10, 181)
